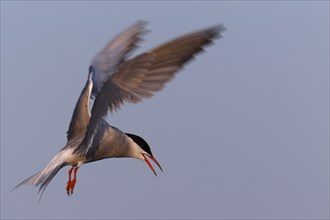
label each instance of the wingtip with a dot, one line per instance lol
(217, 30)
(141, 25)
(221, 27)
(141, 22)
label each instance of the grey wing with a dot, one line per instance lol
(144, 75)
(81, 113)
(114, 53)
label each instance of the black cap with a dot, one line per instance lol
(141, 142)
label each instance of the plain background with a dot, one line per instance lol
(242, 132)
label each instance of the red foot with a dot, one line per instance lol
(71, 183)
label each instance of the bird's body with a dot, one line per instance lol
(112, 80)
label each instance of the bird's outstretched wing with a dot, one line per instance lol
(81, 112)
(144, 75)
(106, 62)
(102, 67)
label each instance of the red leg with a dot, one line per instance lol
(68, 186)
(74, 178)
(71, 183)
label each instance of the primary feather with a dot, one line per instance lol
(144, 75)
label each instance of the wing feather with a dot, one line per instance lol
(106, 62)
(142, 76)
(81, 113)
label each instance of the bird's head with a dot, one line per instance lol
(146, 151)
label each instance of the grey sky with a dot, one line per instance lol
(242, 132)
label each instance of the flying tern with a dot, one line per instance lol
(115, 78)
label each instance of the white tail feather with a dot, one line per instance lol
(43, 177)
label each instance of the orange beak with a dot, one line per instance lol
(149, 164)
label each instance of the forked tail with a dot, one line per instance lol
(43, 177)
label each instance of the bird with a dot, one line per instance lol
(115, 77)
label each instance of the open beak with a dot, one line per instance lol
(149, 164)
